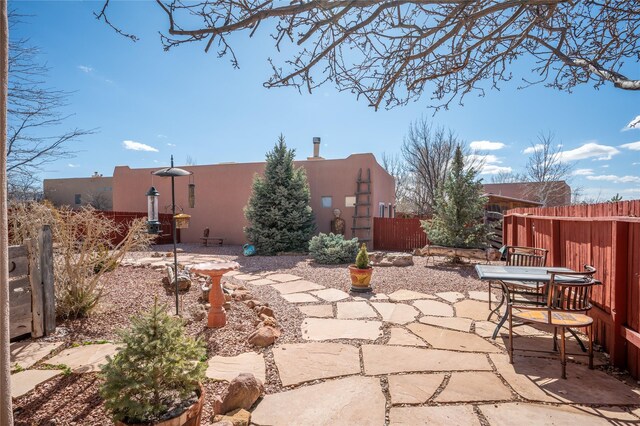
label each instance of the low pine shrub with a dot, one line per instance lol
(332, 249)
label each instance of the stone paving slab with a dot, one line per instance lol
(284, 278)
(26, 354)
(400, 336)
(299, 298)
(483, 296)
(262, 281)
(401, 359)
(331, 294)
(296, 286)
(354, 310)
(304, 362)
(503, 414)
(413, 388)
(434, 308)
(539, 379)
(473, 309)
(474, 386)
(247, 277)
(350, 401)
(25, 381)
(542, 346)
(318, 311)
(231, 273)
(396, 313)
(372, 297)
(327, 329)
(434, 416)
(451, 296)
(441, 338)
(454, 323)
(229, 367)
(85, 359)
(404, 295)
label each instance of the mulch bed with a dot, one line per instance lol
(74, 399)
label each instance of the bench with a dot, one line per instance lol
(206, 238)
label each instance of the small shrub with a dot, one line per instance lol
(332, 249)
(362, 259)
(156, 373)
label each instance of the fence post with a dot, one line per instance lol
(556, 253)
(619, 278)
(45, 246)
(37, 298)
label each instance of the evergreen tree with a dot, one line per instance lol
(458, 219)
(279, 214)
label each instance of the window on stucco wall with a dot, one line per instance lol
(327, 202)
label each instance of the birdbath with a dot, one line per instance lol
(215, 270)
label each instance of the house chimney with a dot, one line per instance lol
(316, 149)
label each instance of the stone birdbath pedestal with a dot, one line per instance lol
(217, 315)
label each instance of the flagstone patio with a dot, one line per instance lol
(411, 358)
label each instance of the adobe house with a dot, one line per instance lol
(77, 192)
(222, 192)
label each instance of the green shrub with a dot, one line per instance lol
(157, 371)
(332, 249)
(362, 259)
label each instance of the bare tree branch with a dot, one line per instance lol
(390, 52)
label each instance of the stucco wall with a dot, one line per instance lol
(92, 190)
(222, 191)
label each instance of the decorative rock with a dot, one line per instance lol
(269, 322)
(304, 362)
(265, 310)
(378, 258)
(198, 313)
(243, 392)
(264, 336)
(253, 303)
(241, 295)
(239, 417)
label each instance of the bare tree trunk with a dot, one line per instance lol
(6, 411)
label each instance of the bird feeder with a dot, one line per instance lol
(153, 224)
(182, 220)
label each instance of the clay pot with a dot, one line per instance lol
(190, 417)
(360, 279)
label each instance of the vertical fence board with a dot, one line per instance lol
(37, 296)
(398, 234)
(45, 248)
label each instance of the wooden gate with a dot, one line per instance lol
(31, 292)
(398, 234)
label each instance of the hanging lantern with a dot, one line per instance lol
(192, 193)
(182, 220)
(153, 225)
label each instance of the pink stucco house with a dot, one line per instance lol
(222, 191)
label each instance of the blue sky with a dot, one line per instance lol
(190, 103)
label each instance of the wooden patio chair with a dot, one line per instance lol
(522, 256)
(566, 308)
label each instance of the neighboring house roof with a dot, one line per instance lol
(505, 198)
(558, 193)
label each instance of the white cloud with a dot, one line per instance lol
(85, 69)
(490, 164)
(137, 146)
(73, 166)
(583, 172)
(589, 150)
(633, 124)
(486, 145)
(532, 149)
(171, 144)
(615, 178)
(161, 136)
(635, 164)
(633, 146)
(606, 166)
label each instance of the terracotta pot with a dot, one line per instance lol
(360, 278)
(189, 417)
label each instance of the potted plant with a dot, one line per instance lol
(156, 377)
(361, 272)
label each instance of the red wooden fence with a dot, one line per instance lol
(606, 236)
(398, 234)
(124, 218)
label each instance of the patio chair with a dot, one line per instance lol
(567, 304)
(522, 256)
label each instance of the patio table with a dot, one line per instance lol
(525, 274)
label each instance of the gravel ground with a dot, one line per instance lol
(74, 399)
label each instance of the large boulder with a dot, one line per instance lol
(243, 392)
(264, 336)
(379, 258)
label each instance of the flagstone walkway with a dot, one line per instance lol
(403, 358)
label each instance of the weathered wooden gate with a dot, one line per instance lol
(31, 291)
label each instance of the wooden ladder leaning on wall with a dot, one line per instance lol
(362, 210)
